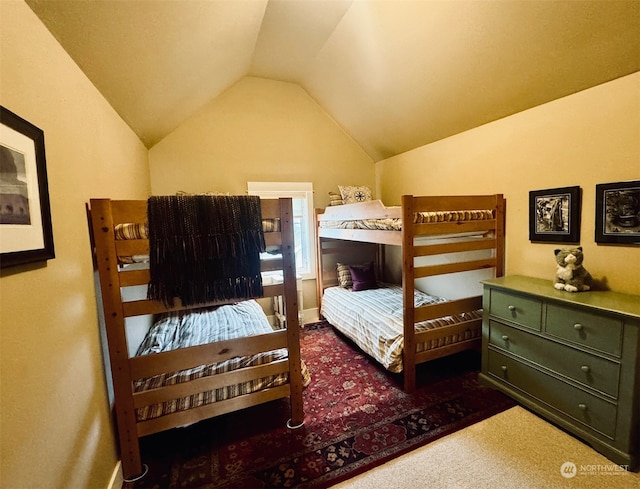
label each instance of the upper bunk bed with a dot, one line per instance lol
(447, 245)
(197, 360)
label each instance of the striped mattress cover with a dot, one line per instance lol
(202, 326)
(140, 230)
(395, 224)
(373, 320)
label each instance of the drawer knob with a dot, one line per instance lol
(505, 337)
(582, 407)
(512, 308)
(503, 367)
(585, 368)
(578, 327)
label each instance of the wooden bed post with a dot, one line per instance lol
(500, 225)
(102, 225)
(319, 271)
(408, 287)
(291, 311)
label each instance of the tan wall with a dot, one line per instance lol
(260, 130)
(56, 425)
(584, 139)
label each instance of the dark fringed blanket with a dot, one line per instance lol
(204, 248)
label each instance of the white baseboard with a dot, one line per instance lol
(117, 479)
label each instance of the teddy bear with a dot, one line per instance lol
(570, 274)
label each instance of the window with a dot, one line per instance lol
(303, 222)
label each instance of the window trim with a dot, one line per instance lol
(294, 190)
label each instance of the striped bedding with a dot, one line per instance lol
(373, 320)
(198, 327)
(395, 224)
(140, 230)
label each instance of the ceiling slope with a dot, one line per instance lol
(395, 74)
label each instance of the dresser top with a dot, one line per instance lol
(605, 300)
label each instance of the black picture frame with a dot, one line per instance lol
(554, 215)
(25, 212)
(618, 213)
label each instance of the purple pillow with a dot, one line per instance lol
(363, 277)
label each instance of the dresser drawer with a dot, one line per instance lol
(587, 328)
(521, 310)
(583, 407)
(589, 370)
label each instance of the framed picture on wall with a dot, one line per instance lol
(26, 234)
(554, 215)
(618, 212)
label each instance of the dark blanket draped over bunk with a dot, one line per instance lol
(204, 248)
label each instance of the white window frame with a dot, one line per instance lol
(294, 190)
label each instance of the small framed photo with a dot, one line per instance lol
(554, 215)
(618, 212)
(26, 235)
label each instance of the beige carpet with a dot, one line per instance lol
(512, 450)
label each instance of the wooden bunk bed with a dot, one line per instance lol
(275, 375)
(441, 238)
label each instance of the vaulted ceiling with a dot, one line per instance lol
(395, 74)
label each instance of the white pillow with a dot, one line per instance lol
(351, 194)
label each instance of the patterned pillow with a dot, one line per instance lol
(344, 276)
(335, 198)
(351, 194)
(363, 277)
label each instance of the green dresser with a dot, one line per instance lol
(573, 358)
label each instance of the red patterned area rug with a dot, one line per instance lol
(357, 417)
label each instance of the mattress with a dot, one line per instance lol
(140, 230)
(395, 224)
(372, 319)
(202, 326)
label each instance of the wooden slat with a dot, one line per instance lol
(459, 246)
(270, 208)
(271, 264)
(273, 238)
(449, 308)
(430, 229)
(129, 278)
(190, 416)
(431, 203)
(195, 386)
(124, 211)
(431, 270)
(184, 358)
(449, 330)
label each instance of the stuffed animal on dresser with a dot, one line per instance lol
(570, 274)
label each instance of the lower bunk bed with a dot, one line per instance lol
(196, 360)
(438, 248)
